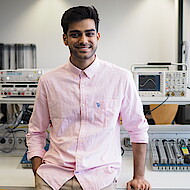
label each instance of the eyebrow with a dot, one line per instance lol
(78, 31)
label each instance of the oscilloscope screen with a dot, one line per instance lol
(149, 82)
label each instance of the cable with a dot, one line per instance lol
(13, 147)
(14, 139)
(122, 151)
(158, 105)
(3, 125)
(19, 118)
(11, 129)
(19, 130)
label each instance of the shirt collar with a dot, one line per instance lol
(89, 71)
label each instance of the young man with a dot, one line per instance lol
(82, 102)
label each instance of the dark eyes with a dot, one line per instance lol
(76, 35)
(90, 34)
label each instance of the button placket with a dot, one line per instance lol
(82, 96)
(82, 115)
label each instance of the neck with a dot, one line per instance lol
(82, 64)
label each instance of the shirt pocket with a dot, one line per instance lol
(63, 115)
(103, 112)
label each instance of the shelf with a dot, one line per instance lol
(169, 128)
(165, 129)
(19, 100)
(171, 100)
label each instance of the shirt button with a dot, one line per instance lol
(78, 156)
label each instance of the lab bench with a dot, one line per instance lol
(13, 176)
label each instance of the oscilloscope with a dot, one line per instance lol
(161, 83)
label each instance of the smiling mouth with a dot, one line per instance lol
(86, 47)
(83, 48)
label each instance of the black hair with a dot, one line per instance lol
(79, 13)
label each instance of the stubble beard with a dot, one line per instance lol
(83, 57)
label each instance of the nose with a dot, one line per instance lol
(83, 39)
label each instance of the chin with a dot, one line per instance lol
(85, 57)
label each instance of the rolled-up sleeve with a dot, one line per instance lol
(132, 114)
(38, 125)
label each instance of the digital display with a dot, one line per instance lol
(149, 82)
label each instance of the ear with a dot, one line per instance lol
(65, 40)
(98, 35)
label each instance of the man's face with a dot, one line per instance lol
(82, 40)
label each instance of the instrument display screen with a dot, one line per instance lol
(149, 82)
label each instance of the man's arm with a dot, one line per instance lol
(38, 125)
(139, 158)
(36, 162)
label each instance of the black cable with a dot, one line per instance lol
(11, 130)
(122, 151)
(18, 130)
(19, 118)
(14, 139)
(13, 147)
(158, 105)
(4, 124)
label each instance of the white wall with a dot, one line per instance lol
(132, 31)
(186, 23)
(186, 35)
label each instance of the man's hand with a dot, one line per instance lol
(36, 162)
(138, 184)
(139, 156)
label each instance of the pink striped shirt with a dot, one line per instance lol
(82, 109)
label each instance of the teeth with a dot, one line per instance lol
(82, 47)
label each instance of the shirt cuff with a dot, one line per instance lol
(139, 138)
(36, 153)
